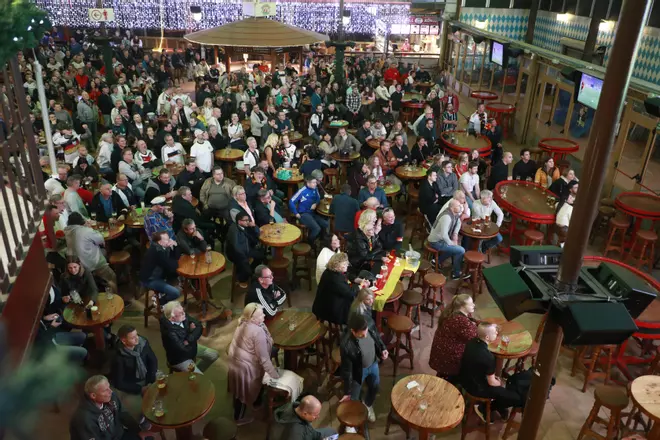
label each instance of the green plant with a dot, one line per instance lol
(22, 24)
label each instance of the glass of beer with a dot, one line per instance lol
(159, 408)
(160, 379)
(191, 370)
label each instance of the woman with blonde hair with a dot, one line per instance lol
(270, 146)
(207, 109)
(365, 250)
(455, 329)
(249, 356)
(362, 305)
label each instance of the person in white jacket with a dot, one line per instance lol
(104, 158)
(257, 120)
(137, 174)
(164, 104)
(484, 208)
(202, 151)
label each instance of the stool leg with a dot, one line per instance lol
(419, 320)
(590, 420)
(614, 422)
(642, 256)
(592, 366)
(397, 343)
(409, 345)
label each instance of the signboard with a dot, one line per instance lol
(101, 14)
(424, 19)
(259, 9)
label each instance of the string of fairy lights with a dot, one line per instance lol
(175, 14)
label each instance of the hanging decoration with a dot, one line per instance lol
(22, 24)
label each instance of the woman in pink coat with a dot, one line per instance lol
(249, 358)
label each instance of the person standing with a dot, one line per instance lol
(88, 113)
(202, 152)
(429, 196)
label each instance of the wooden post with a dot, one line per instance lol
(215, 55)
(273, 61)
(599, 13)
(531, 21)
(228, 53)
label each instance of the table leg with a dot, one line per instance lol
(343, 178)
(184, 433)
(278, 252)
(423, 434)
(291, 360)
(655, 431)
(99, 338)
(204, 296)
(228, 169)
(499, 364)
(290, 191)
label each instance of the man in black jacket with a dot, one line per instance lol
(182, 208)
(266, 210)
(105, 203)
(500, 171)
(391, 233)
(133, 369)
(361, 348)
(263, 291)
(525, 167)
(191, 177)
(117, 153)
(344, 207)
(180, 334)
(429, 196)
(190, 240)
(242, 246)
(106, 105)
(159, 266)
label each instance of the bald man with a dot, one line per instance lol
(294, 421)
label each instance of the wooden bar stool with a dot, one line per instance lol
(418, 229)
(331, 179)
(618, 226)
(533, 237)
(413, 199)
(302, 272)
(412, 299)
(280, 269)
(220, 429)
(647, 241)
(432, 255)
(333, 381)
(511, 425)
(536, 154)
(402, 327)
(613, 398)
(605, 213)
(474, 261)
(152, 306)
(352, 414)
(417, 280)
(433, 288)
(470, 402)
(606, 201)
(236, 287)
(582, 360)
(119, 260)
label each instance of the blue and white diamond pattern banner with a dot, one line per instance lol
(511, 23)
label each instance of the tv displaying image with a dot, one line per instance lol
(497, 53)
(589, 89)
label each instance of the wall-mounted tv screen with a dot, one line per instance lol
(588, 90)
(497, 53)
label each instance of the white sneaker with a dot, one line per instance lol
(371, 415)
(350, 430)
(414, 329)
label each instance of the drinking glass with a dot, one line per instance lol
(108, 293)
(191, 370)
(505, 342)
(503, 191)
(414, 163)
(517, 180)
(292, 323)
(192, 257)
(160, 379)
(423, 405)
(209, 257)
(93, 216)
(158, 408)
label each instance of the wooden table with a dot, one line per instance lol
(409, 109)
(175, 169)
(374, 144)
(484, 95)
(487, 231)
(410, 174)
(645, 392)
(520, 342)
(525, 201)
(135, 220)
(425, 86)
(291, 183)
(338, 124)
(503, 114)
(308, 330)
(458, 141)
(229, 156)
(641, 206)
(444, 410)
(109, 310)
(200, 270)
(559, 147)
(343, 163)
(279, 236)
(391, 189)
(246, 124)
(294, 137)
(110, 232)
(386, 290)
(185, 401)
(324, 210)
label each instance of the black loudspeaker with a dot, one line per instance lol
(535, 255)
(593, 323)
(625, 286)
(652, 106)
(507, 289)
(514, 52)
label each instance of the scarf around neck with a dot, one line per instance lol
(141, 370)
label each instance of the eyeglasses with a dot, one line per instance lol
(267, 277)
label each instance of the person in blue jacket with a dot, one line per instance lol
(303, 205)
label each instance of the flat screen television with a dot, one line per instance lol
(497, 53)
(588, 90)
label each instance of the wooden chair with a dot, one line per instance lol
(304, 271)
(402, 327)
(352, 414)
(470, 402)
(613, 398)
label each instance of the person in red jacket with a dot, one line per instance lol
(82, 80)
(392, 74)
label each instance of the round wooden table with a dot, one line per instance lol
(503, 113)
(391, 189)
(444, 410)
(425, 86)
(558, 147)
(484, 95)
(199, 269)
(294, 137)
(410, 174)
(457, 142)
(645, 392)
(524, 201)
(520, 342)
(641, 206)
(343, 163)
(292, 182)
(135, 220)
(409, 109)
(185, 401)
(279, 236)
(246, 124)
(110, 232)
(229, 156)
(338, 124)
(308, 330)
(374, 143)
(109, 310)
(479, 231)
(175, 169)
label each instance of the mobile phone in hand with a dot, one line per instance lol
(332, 437)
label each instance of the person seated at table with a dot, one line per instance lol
(137, 175)
(283, 124)
(264, 292)
(547, 173)
(357, 177)
(255, 183)
(248, 360)
(462, 164)
(477, 120)
(72, 196)
(159, 267)
(133, 368)
(266, 210)
(446, 182)
(191, 177)
(499, 172)
(190, 240)
(86, 171)
(444, 237)
(126, 197)
(363, 305)
(391, 233)
(239, 204)
(477, 374)
(180, 334)
(364, 135)
(216, 193)
(172, 152)
(456, 328)
(163, 185)
(303, 205)
(146, 157)
(182, 208)
(469, 182)
(269, 183)
(378, 130)
(344, 207)
(420, 151)
(420, 122)
(399, 148)
(429, 133)
(294, 420)
(361, 348)
(105, 203)
(483, 166)
(101, 415)
(429, 196)
(158, 218)
(484, 208)
(560, 186)
(465, 211)
(331, 246)
(311, 160)
(56, 184)
(388, 162)
(373, 190)
(370, 211)
(564, 214)
(346, 141)
(242, 247)
(525, 167)
(335, 292)
(365, 251)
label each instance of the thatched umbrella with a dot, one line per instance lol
(255, 32)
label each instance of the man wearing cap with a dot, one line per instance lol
(202, 151)
(158, 218)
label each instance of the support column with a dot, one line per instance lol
(533, 12)
(228, 52)
(599, 13)
(617, 77)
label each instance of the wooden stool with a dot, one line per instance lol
(433, 287)
(474, 264)
(647, 240)
(304, 272)
(417, 280)
(432, 254)
(119, 259)
(613, 398)
(151, 307)
(220, 429)
(413, 300)
(413, 199)
(418, 230)
(536, 154)
(470, 402)
(511, 423)
(605, 213)
(617, 226)
(589, 363)
(533, 237)
(331, 179)
(303, 229)
(304, 118)
(275, 398)
(402, 327)
(352, 414)
(280, 269)
(333, 381)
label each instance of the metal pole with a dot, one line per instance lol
(617, 77)
(44, 115)
(340, 26)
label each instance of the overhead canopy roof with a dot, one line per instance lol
(256, 32)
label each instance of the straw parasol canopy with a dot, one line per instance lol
(256, 32)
